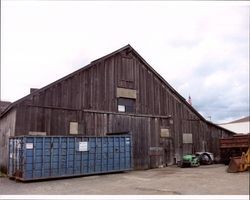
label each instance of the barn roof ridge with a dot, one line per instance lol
(92, 63)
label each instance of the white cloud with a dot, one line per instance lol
(192, 45)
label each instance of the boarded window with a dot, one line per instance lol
(126, 74)
(165, 132)
(187, 138)
(73, 128)
(126, 105)
(126, 93)
(37, 133)
(127, 70)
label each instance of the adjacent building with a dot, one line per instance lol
(4, 105)
(240, 126)
(117, 93)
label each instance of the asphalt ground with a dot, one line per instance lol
(171, 180)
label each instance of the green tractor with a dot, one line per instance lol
(190, 161)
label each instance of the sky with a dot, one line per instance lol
(200, 48)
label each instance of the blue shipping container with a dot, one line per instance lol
(44, 157)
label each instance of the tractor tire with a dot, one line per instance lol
(206, 159)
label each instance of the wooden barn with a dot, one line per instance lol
(117, 93)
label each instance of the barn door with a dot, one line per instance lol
(161, 147)
(156, 157)
(165, 143)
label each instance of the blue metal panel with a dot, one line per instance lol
(44, 157)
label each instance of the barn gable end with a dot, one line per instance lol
(116, 93)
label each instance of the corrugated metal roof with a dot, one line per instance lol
(244, 119)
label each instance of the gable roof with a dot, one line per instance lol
(127, 48)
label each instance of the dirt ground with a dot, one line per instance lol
(204, 180)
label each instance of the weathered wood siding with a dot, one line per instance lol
(89, 98)
(7, 129)
(145, 131)
(95, 88)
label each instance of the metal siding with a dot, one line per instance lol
(32, 158)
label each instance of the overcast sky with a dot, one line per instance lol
(200, 48)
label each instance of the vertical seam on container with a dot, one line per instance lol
(119, 152)
(131, 153)
(43, 161)
(59, 156)
(88, 155)
(25, 160)
(34, 153)
(74, 161)
(67, 148)
(81, 153)
(95, 158)
(23, 155)
(51, 154)
(101, 156)
(125, 150)
(113, 160)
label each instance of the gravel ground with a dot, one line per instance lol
(203, 180)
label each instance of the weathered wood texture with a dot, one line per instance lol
(7, 129)
(89, 98)
(4, 105)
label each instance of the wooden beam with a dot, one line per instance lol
(102, 111)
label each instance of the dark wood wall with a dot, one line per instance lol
(7, 129)
(95, 88)
(89, 98)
